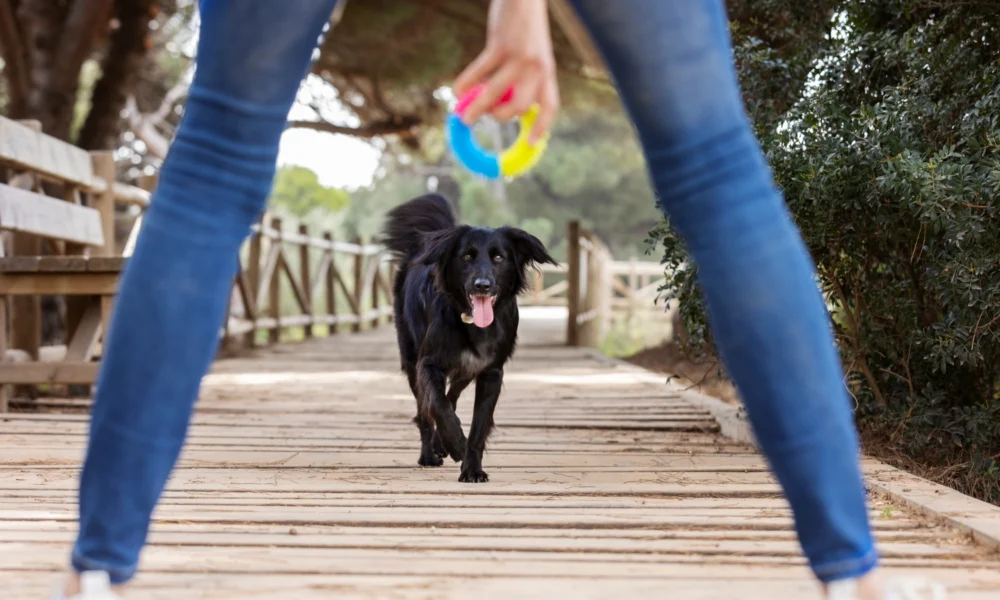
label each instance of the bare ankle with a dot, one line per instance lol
(867, 587)
(73, 586)
(871, 587)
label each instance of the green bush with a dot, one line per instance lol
(890, 162)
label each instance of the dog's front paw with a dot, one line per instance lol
(429, 460)
(473, 476)
(438, 444)
(457, 454)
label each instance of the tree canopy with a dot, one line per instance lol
(888, 159)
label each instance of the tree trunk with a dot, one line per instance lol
(59, 36)
(41, 22)
(16, 61)
(128, 46)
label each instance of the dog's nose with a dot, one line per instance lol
(481, 285)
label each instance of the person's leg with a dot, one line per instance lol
(672, 63)
(175, 291)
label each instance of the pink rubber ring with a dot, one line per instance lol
(471, 95)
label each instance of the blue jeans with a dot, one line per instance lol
(672, 62)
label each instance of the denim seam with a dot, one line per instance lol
(118, 575)
(852, 567)
(236, 104)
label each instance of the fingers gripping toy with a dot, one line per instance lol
(512, 162)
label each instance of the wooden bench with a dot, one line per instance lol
(83, 265)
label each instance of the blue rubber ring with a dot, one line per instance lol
(468, 152)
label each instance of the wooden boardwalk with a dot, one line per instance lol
(300, 482)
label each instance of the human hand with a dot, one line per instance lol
(518, 53)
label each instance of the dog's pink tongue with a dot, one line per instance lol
(482, 311)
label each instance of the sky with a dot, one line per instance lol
(338, 160)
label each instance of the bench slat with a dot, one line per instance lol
(62, 264)
(58, 284)
(28, 212)
(43, 373)
(24, 148)
(106, 264)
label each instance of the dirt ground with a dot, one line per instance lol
(705, 377)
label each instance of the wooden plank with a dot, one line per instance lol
(106, 264)
(274, 284)
(244, 287)
(349, 295)
(55, 284)
(22, 148)
(375, 279)
(130, 194)
(573, 279)
(62, 264)
(690, 581)
(5, 390)
(133, 237)
(103, 166)
(304, 294)
(252, 272)
(20, 264)
(25, 311)
(359, 286)
(37, 214)
(298, 291)
(980, 519)
(39, 373)
(81, 348)
(299, 480)
(319, 279)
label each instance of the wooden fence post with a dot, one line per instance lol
(5, 390)
(391, 281)
(572, 282)
(253, 278)
(377, 319)
(274, 289)
(591, 289)
(26, 311)
(104, 167)
(304, 269)
(633, 285)
(607, 294)
(539, 286)
(359, 282)
(330, 275)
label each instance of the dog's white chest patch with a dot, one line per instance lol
(472, 363)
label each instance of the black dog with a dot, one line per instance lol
(456, 320)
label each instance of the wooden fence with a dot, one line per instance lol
(57, 214)
(59, 197)
(323, 271)
(594, 287)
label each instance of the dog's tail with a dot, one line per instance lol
(407, 224)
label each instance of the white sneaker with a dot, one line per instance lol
(895, 589)
(94, 585)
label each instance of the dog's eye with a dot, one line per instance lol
(467, 257)
(498, 259)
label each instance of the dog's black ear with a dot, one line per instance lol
(438, 246)
(530, 250)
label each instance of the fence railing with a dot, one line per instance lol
(58, 224)
(332, 284)
(594, 287)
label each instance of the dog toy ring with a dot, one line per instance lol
(512, 162)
